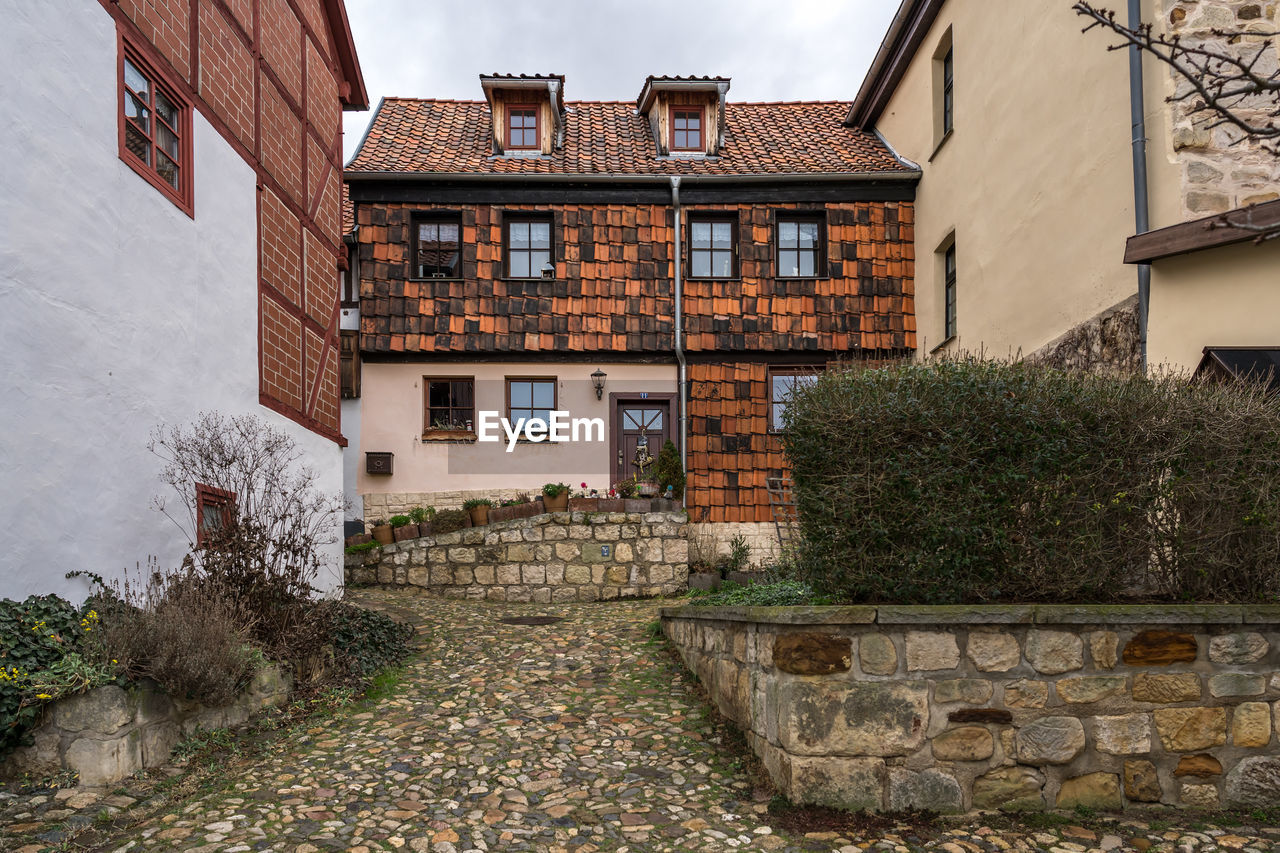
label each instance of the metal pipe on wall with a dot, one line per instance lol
(1138, 121)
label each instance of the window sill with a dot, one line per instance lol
(941, 142)
(946, 343)
(712, 278)
(437, 278)
(802, 277)
(447, 435)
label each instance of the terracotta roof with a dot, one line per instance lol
(612, 138)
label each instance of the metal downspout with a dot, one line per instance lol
(679, 322)
(1137, 115)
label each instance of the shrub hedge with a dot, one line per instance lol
(969, 481)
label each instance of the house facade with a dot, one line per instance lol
(172, 246)
(1024, 129)
(667, 267)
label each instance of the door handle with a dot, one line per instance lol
(619, 457)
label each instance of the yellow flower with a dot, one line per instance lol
(43, 696)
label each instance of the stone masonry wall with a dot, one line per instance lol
(1220, 170)
(110, 733)
(710, 540)
(1105, 343)
(1024, 707)
(383, 505)
(558, 556)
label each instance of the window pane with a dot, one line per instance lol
(544, 395)
(166, 110)
(461, 393)
(701, 264)
(521, 395)
(167, 169)
(537, 260)
(137, 144)
(438, 394)
(808, 234)
(653, 419)
(788, 262)
(778, 409)
(137, 112)
(448, 233)
(722, 264)
(629, 420)
(519, 235)
(787, 234)
(701, 235)
(721, 235)
(540, 235)
(807, 264)
(167, 140)
(518, 266)
(134, 81)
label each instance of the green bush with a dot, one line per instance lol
(366, 641)
(777, 594)
(362, 547)
(449, 520)
(970, 481)
(399, 520)
(36, 635)
(669, 471)
(418, 514)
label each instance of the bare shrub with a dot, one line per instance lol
(266, 552)
(184, 630)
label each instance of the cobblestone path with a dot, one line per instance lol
(578, 736)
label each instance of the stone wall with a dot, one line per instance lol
(110, 733)
(1220, 170)
(558, 556)
(1024, 707)
(1107, 343)
(383, 505)
(711, 540)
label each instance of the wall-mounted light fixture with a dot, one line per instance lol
(597, 382)
(548, 270)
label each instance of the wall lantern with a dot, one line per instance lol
(548, 270)
(597, 382)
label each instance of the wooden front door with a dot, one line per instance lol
(639, 423)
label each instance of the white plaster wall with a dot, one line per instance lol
(120, 312)
(352, 499)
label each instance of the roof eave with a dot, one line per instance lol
(355, 96)
(1209, 232)
(906, 32)
(654, 85)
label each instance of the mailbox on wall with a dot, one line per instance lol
(378, 463)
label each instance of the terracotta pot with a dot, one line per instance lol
(424, 529)
(359, 539)
(647, 489)
(407, 531)
(637, 505)
(384, 534)
(479, 515)
(559, 503)
(584, 504)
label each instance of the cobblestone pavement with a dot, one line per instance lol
(578, 736)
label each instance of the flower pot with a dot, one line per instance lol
(647, 489)
(384, 534)
(479, 515)
(584, 504)
(611, 505)
(559, 503)
(424, 529)
(408, 531)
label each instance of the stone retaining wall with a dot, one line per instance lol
(558, 556)
(110, 733)
(1015, 707)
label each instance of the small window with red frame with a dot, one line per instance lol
(214, 511)
(522, 127)
(155, 128)
(686, 128)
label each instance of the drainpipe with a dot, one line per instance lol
(1137, 115)
(679, 321)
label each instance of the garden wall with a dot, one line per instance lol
(109, 733)
(559, 556)
(1011, 707)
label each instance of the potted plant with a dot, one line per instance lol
(382, 532)
(584, 501)
(422, 516)
(478, 509)
(401, 529)
(555, 497)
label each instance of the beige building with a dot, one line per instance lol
(1021, 124)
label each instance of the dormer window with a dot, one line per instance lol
(686, 129)
(522, 127)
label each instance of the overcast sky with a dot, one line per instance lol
(774, 51)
